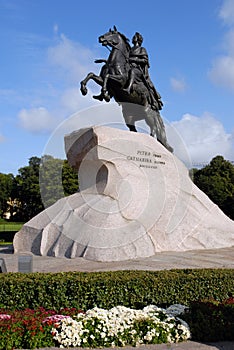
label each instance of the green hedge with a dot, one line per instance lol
(134, 289)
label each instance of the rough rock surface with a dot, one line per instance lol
(136, 199)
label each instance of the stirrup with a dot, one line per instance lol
(127, 90)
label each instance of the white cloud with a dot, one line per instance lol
(68, 63)
(178, 84)
(203, 137)
(72, 100)
(36, 120)
(222, 72)
(72, 59)
(229, 42)
(227, 11)
(222, 69)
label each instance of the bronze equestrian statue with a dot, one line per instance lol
(125, 77)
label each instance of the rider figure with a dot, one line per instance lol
(139, 61)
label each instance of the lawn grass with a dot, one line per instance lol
(10, 226)
(8, 230)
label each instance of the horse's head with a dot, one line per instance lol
(113, 38)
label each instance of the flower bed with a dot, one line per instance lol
(26, 330)
(97, 327)
(120, 326)
(208, 320)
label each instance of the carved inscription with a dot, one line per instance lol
(147, 159)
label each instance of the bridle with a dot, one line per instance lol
(117, 48)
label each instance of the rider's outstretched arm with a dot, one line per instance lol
(100, 60)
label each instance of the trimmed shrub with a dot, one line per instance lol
(134, 289)
(211, 321)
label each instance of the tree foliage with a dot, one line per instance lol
(69, 179)
(57, 179)
(26, 190)
(6, 184)
(217, 181)
(36, 186)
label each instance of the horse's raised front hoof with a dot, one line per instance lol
(83, 89)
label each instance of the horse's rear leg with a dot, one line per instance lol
(157, 128)
(150, 120)
(130, 122)
(131, 127)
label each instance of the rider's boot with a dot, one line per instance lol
(106, 96)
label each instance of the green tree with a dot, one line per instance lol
(70, 179)
(57, 179)
(40, 184)
(6, 185)
(27, 190)
(192, 172)
(217, 181)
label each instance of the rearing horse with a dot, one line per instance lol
(113, 79)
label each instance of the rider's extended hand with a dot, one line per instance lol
(100, 60)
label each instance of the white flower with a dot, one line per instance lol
(176, 309)
(119, 323)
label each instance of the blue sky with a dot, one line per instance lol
(48, 46)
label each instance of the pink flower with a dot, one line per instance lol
(54, 318)
(5, 317)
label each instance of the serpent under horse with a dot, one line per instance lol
(113, 78)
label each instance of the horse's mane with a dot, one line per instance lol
(126, 40)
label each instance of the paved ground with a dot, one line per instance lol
(181, 346)
(213, 258)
